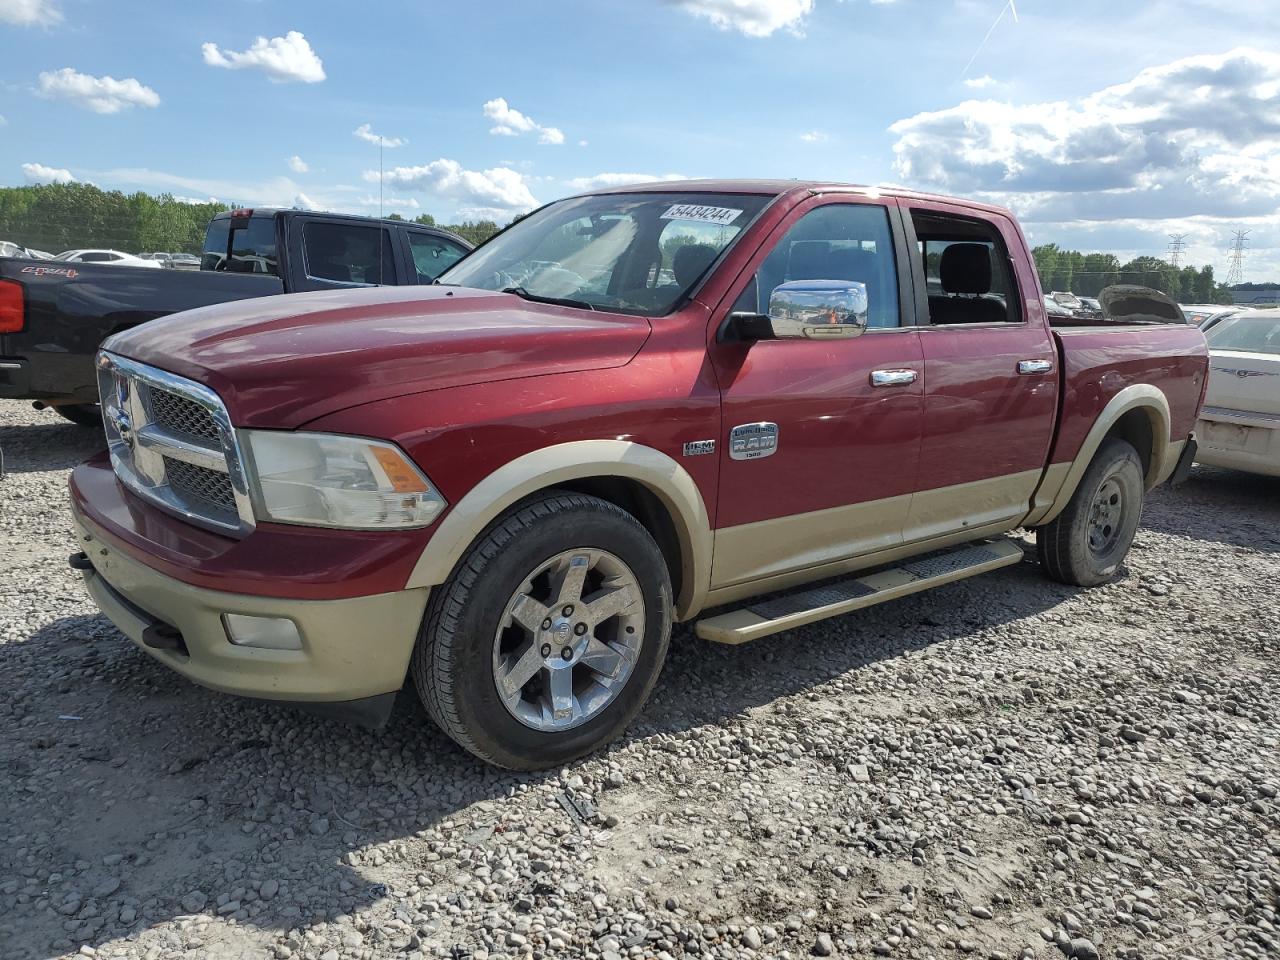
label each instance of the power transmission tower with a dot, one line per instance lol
(1235, 266)
(1177, 243)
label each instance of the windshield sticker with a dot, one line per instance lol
(693, 211)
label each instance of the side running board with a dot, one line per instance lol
(772, 615)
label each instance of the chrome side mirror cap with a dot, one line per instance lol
(808, 310)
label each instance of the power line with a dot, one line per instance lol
(1235, 266)
(1177, 243)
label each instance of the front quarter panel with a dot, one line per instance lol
(485, 446)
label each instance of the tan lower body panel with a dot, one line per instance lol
(351, 649)
(742, 626)
(962, 506)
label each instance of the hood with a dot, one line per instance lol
(1129, 303)
(283, 361)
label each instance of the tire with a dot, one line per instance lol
(1086, 543)
(474, 633)
(81, 414)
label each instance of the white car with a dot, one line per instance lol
(106, 256)
(1239, 426)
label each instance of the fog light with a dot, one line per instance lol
(268, 633)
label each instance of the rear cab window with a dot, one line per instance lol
(968, 275)
(348, 253)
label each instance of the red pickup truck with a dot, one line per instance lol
(747, 404)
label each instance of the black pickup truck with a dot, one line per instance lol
(53, 315)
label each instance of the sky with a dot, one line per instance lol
(1105, 124)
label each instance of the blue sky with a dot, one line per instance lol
(1104, 124)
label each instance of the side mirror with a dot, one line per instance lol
(809, 310)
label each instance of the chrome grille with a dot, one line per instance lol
(182, 416)
(201, 483)
(172, 443)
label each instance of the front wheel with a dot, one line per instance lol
(547, 639)
(1086, 543)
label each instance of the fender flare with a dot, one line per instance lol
(565, 462)
(1164, 454)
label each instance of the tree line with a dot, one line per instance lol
(1086, 274)
(66, 216)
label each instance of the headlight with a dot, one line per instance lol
(326, 480)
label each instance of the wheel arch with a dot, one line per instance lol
(645, 482)
(1138, 414)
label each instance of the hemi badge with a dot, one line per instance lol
(698, 448)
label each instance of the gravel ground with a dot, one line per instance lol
(1005, 767)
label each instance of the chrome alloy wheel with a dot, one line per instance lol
(568, 639)
(1105, 516)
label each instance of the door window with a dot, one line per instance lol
(967, 271)
(348, 253)
(433, 255)
(838, 241)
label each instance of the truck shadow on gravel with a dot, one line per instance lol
(1221, 506)
(56, 445)
(136, 797)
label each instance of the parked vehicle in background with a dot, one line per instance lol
(1240, 424)
(10, 249)
(1055, 310)
(59, 312)
(1090, 308)
(1205, 315)
(116, 258)
(161, 258)
(629, 408)
(183, 261)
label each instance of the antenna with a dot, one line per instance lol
(1235, 266)
(1177, 243)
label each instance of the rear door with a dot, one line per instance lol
(327, 253)
(817, 461)
(990, 368)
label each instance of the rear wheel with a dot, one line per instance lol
(549, 636)
(1086, 543)
(82, 414)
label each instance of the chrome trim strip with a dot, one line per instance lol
(138, 445)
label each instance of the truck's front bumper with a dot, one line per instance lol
(353, 656)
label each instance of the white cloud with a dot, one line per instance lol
(815, 136)
(601, 181)
(303, 202)
(978, 83)
(755, 18)
(99, 94)
(39, 173)
(283, 59)
(3, 121)
(1196, 137)
(392, 203)
(297, 164)
(366, 134)
(510, 122)
(196, 201)
(499, 191)
(28, 13)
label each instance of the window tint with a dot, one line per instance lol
(839, 241)
(433, 255)
(348, 253)
(92, 257)
(253, 246)
(966, 269)
(216, 237)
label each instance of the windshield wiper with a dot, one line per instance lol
(524, 294)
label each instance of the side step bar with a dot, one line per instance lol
(767, 616)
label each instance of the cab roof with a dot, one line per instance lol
(780, 188)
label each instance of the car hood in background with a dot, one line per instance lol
(1133, 304)
(283, 361)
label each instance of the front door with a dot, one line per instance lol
(818, 456)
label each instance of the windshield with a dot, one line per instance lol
(630, 253)
(1246, 334)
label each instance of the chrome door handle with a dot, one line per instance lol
(892, 378)
(1034, 366)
